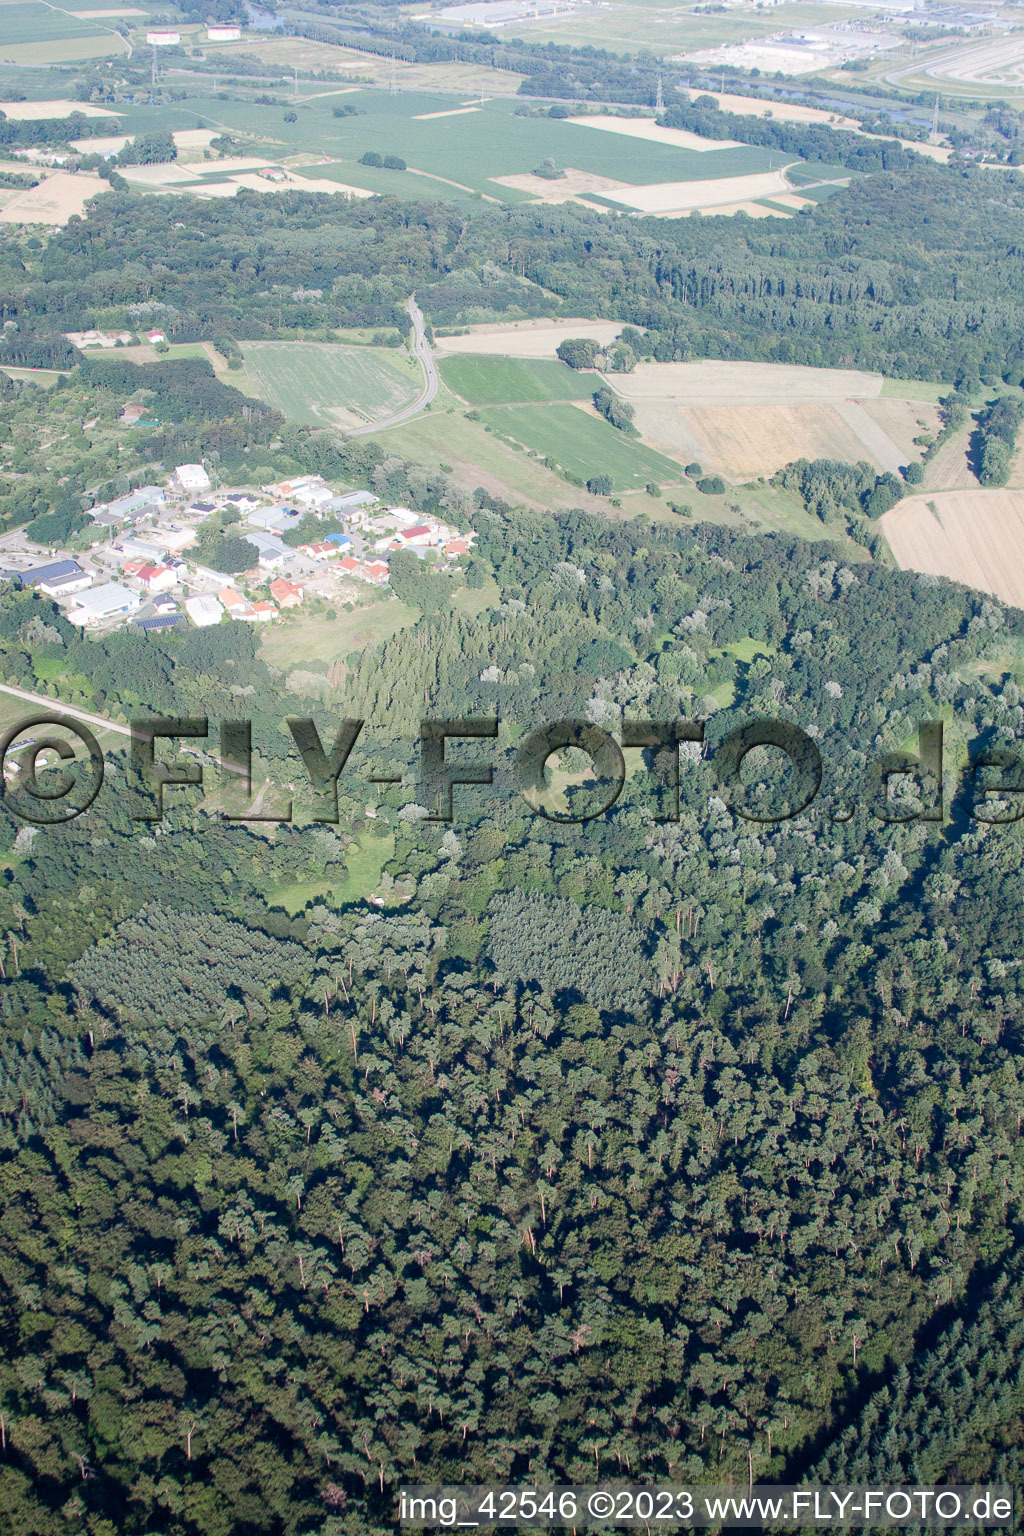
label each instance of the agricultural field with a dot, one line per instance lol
(511, 380)
(467, 147)
(323, 384)
(53, 200)
(583, 444)
(525, 338)
(37, 33)
(742, 420)
(974, 536)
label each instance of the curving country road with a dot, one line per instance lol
(423, 354)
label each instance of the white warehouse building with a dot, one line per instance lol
(192, 478)
(103, 603)
(204, 610)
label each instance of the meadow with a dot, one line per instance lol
(582, 444)
(318, 384)
(513, 380)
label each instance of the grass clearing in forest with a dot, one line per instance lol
(311, 637)
(323, 384)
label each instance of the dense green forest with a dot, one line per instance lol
(637, 1142)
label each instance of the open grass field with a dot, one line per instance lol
(974, 536)
(512, 380)
(318, 384)
(476, 457)
(312, 637)
(364, 863)
(583, 444)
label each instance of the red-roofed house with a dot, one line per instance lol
(376, 571)
(261, 611)
(348, 563)
(419, 535)
(319, 551)
(456, 547)
(133, 567)
(287, 594)
(233, 600)
(158, 578)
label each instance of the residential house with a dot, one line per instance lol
(376, 571)
(286, 594)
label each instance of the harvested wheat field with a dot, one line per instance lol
(742, 441)
(530, 338)
(164, 174)
(976, 537)
(713, 382)
(112, 145)
(570, 184)
(668, 197)
(646, 128)
(786, 112)
(54, 200)
(31, 111)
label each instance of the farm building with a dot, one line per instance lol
(223, 34)
(154, 336)
(204, 610)
(192, 478)
(103, 603)
(163, 39)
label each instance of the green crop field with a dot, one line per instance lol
(514, 380)
(28, 21)
(320, 384)
(456, 156)
(583, 444)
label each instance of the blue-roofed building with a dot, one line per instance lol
(341, 539)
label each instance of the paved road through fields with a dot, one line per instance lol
(422, 352)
